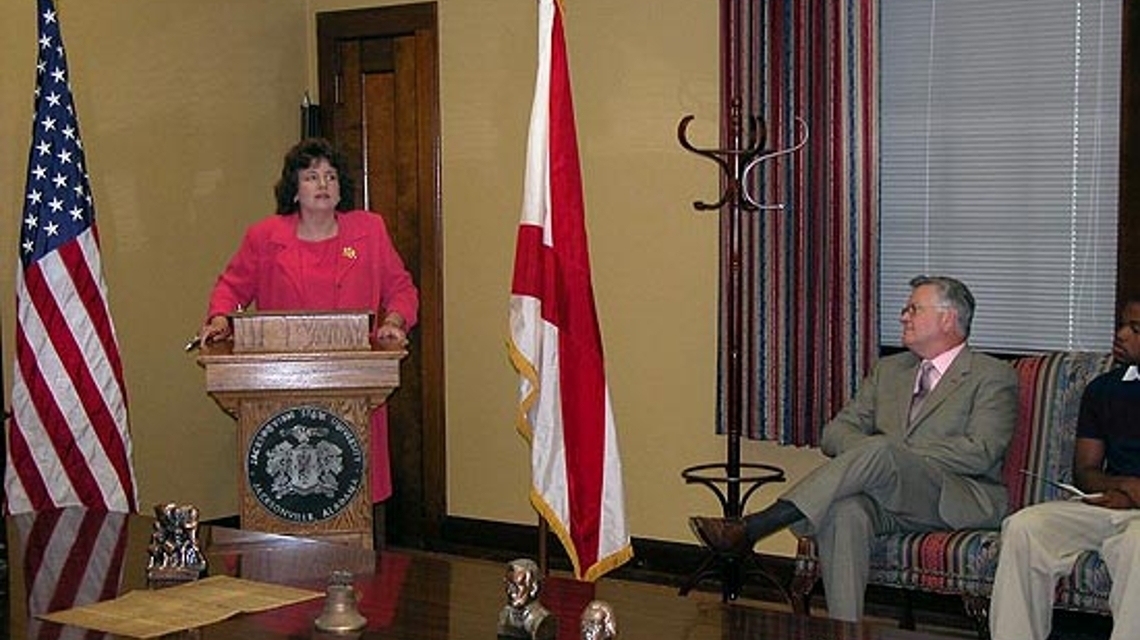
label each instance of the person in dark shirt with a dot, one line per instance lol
(1040, 543)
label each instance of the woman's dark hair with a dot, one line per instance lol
(302, 156)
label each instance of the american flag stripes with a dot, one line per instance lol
(68, 441)
(71, 557)
(556, 344)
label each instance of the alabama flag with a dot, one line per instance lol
(556, 346)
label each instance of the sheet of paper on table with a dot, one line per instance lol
(152, 613)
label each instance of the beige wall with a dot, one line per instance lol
(184, 109)
(654, 259)
(184, 130)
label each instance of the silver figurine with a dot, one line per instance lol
(598, 622)
(524, 616)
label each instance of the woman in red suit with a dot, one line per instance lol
(319, 253)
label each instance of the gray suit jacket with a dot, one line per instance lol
(964, 427)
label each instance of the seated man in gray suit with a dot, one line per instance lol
(920, 447)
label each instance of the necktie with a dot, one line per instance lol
(925, 382)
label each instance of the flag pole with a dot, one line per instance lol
(543, 534)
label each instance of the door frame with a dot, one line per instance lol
(391, 21)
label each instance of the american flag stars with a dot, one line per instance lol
(58, 203)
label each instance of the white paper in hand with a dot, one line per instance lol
(1073, 490)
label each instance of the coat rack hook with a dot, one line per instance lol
(736, 164)
(727, 159)
(802, 127)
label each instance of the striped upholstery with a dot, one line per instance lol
(963, 562)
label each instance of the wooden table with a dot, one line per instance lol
(63, 558)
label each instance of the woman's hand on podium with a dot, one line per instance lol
(216, 328)
(392, 331)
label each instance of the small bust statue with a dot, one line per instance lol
(524, 616)
(597, 621)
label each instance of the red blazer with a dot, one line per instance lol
(266, 271)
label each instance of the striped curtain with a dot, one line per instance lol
(811, 274)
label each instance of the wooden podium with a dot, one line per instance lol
(302, 387)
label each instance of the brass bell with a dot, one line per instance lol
(340, 614)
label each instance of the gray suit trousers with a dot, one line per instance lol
(876, 487)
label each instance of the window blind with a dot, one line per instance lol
(999, 163)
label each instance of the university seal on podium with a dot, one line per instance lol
(305, 464)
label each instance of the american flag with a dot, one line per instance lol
(68, 443)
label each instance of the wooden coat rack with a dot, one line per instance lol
(742, 150)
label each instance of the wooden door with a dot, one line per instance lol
(380, 106)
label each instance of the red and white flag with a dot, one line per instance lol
(556, 346)
(68, 441)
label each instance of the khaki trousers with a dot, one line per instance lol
(1039, 545)
(876, 487)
